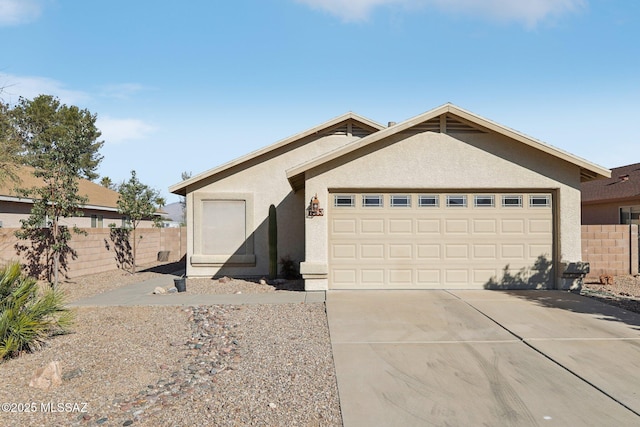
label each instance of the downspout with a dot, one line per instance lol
(630, 243)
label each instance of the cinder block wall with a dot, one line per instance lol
(610, 249)
(96, 251)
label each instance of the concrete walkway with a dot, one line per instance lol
(140, 294)
(521, 358)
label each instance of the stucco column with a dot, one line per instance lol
(315, 268)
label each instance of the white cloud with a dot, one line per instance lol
(29, 87)
(16, 12)
(529, 12)
(121, 90)
(121, 130)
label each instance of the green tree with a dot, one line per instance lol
(106, 182)
(138, 202)
(9, 145)
(60, 143)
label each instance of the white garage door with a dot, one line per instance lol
(439, 241)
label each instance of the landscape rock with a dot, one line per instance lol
(159, 290)
(263, 282)
(224, 279)
(48, 377)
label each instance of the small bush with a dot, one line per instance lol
(288, 268)
(28, 316)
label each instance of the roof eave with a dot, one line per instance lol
(181, 187)
(588, 170)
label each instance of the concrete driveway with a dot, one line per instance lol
(494, 358)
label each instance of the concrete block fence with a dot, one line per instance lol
(97, 251)
(610, 249)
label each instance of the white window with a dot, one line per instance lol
(484, 201)
(539, 201)
(400, 201)
(630, 215)
(372, 201)
(456, 201)
(223, 227)
(341, 200)
(428, 201)
(511, 201)
(97, 221)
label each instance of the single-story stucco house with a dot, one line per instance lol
(446, 199)
(615, 200)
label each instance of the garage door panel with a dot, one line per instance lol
(428, 252)
(456, 251)
(428, 226)
(426, 276)
(512, 226)
(344, 251)
(344, 226)
(540, 226)
(372, 276)
(401, 252)
(513, 251)
(485, 226)
(456, 277)
(372, 226)
(400, 226)
(482, 275)
(401, 276)
(372, 251)
(485, 251)
(438, 246)
(460, 226)
(344, 276)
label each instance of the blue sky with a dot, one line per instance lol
(168, 79)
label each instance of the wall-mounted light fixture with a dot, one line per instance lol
(314, 208)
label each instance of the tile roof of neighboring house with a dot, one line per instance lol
(623, 184)
(99, 196)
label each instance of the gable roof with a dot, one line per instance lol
(100, 198)
(623, 184)
(181, 187)
(462, 119)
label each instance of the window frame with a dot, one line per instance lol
(478, 197)
(434, 197)
(533, 197)
(393, 198)
(366, 197)
(199, 257)
(351, 197)
(520, 203)
(450, 197)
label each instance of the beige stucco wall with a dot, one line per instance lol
(444, 162)
(265, 180)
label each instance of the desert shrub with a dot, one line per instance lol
(288, 268)
(28, 315)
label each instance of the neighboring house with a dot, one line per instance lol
(615, 200)
(100, 211)
(446, 199)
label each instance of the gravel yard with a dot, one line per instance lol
(623, 293)
(262, 365)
